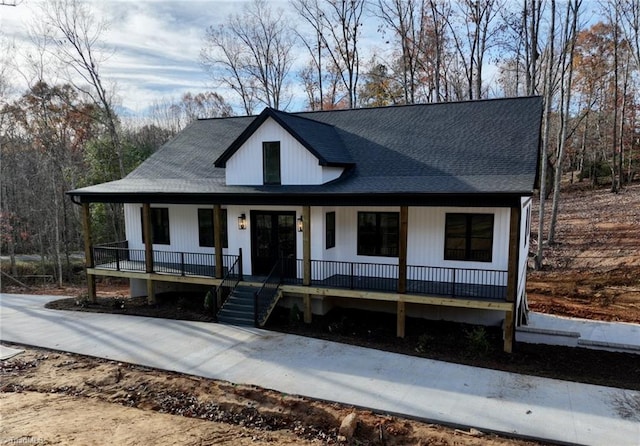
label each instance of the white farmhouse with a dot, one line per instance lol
(422, 210)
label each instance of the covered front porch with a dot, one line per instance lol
(310, 278)
(458, 283)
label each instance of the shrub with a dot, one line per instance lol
(478, 341)
(208, 301)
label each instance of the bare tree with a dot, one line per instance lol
(566, 83)
(175, 115)
(440, 10)
(406, 19)
(337, 24)
(477, 18)
(630, 24)
(546, 122)
(313, 75)
(629, 13)
(616, 166)
(7, 53)
(531, 17)
(77, 33)
(380, 88)
(252, 56)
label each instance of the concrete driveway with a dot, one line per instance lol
(488, 400)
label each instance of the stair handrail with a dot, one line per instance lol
(227, 281)
(267, 281)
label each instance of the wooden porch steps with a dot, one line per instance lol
(238, 308)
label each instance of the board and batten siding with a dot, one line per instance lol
(425, 239)
(524, 240)
(425, 245)
(183, 228)
(298, 166)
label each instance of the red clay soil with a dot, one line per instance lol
(593, 269)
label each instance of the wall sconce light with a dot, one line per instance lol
(242, 222)
(300, 224)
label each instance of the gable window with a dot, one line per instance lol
(378, 234)
(206, 228)
(330, 230)
(159, 226)
(469, 237)
(271, 162)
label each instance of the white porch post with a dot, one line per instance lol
(512, 277)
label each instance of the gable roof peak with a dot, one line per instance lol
(319, 138)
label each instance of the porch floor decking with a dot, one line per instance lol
(336, 281)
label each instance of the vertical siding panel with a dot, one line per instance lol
(298, 165)
(425, 240)
(426, 237)
(133, 225)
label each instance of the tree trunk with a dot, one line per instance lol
(545, 138)
(615, 176)
(570, 33)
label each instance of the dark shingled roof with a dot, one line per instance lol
(472, 149)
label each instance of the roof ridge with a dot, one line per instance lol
(296, 115)
(423, 104)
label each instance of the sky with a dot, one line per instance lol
(153, 45)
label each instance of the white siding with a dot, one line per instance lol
(331, 173)
(524, 240)
(183, 228)
(425, 241)
(426, 237)
(297, 164)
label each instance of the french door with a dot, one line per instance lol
(273, 236)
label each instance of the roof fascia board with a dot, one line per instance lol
(458, 200)
(235, 145)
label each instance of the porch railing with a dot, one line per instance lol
(455, 282)
(118, 256)
(458, 282)
(229, 283)
(263, 299)
(434, 280)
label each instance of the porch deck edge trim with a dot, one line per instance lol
(396, 297)
(159, 277)
(318, 291)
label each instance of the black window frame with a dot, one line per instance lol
(160, 228)
(330, 230)
(374, 241)
(271, 175)
(471, 229)
(206, 238)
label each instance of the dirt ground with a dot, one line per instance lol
(58, 398)
(592, 271)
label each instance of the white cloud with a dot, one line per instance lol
(153, 46)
